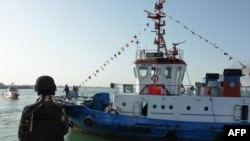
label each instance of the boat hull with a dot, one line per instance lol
(113, 125)
(11, 95)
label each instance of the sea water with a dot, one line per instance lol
(11, 110)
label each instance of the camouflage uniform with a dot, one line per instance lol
(43, 121)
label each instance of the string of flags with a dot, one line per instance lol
(131, 41)
(115, 55)
(243, 67)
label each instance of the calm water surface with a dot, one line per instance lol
(11, 109)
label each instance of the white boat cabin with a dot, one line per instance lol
(157, 74)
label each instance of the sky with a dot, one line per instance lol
(71, 39)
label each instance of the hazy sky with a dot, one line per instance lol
(71, 39)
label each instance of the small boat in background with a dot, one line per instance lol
(12, 91)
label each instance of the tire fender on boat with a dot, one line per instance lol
(112, 111)
(171, 135)
(88, 121)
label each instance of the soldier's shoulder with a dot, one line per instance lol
(29, 107)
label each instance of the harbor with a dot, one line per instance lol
(164, 83)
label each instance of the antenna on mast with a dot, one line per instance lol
(159, 23)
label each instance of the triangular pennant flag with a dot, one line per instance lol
(243, 67)
(199, 36)
(122, 48)
(83, 83)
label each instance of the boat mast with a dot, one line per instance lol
(159, 24)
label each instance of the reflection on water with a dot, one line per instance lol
(74, 135)
(10, 115)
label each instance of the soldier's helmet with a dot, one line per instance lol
(45, 85)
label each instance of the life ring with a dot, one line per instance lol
(87, 121)
(154, 78)
(181, 89)
(171, 136)
(113, 111)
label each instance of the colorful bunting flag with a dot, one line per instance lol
(211, 43)
(115, 55)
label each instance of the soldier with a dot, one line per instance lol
(43, 120)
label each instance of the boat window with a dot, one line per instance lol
(153, 70)
(143, 71)
(135, 72)
(168, 72)
(183, 73)
(178, 73)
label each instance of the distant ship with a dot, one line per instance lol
(11, 92)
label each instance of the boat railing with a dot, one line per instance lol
(158, 89)
(123, 88)
(144, 54)
(245, 91)
(152, 89)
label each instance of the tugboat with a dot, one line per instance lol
(159, 106)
